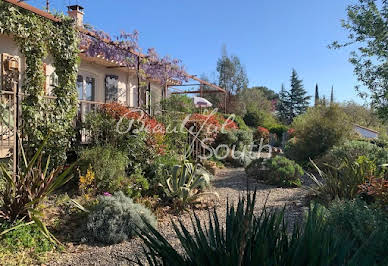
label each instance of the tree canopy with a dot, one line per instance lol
(294, 102)
(367, 24)
(231, 74)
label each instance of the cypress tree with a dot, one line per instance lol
(316, 95)
(332, 96)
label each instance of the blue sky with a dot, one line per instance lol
(270, 37)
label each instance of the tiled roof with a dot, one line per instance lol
(33, 9)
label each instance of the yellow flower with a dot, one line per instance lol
(86, 180)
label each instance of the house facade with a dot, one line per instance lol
(99, 80)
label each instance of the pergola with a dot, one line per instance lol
(200, 91)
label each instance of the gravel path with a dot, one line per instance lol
(229, 184)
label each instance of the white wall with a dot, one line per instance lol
(8, 46)
(127, 82)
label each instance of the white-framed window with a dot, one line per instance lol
(111, 88)
(86, 86)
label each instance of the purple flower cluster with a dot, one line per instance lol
(125, 50)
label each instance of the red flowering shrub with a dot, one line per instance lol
(118, 111)
(377, 188)
(228, 124)
(291, 133)
(143, 121)
(262, 133)
(210, 125)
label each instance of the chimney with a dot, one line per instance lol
(77, 13)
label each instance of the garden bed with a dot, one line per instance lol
(230, 184)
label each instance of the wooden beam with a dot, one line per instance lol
(191, 92)
(185, 85)
(204, 82)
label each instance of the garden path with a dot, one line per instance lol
(230, 184)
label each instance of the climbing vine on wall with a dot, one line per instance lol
(37, 38)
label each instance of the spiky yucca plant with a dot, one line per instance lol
(246, 239)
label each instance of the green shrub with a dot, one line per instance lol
(351, 150)
(116, 218)
(102, 129)
(360, 221)
(255, 168)
(166, 162)
(316, 131)
(175, 139)
(244, 138)
(2, 185)
(108, 164)
(135, 185)
(227, 137)
(382, 140)
(343, 182)
(238, 159)
(283, 172)
(24, 237)
(259, 118)
(278, 171)
(240, 122)
(278, 130)
(178, 103)
(254, 240)
(135, 146)
(237, 138)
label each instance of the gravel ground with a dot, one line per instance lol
(229, 184)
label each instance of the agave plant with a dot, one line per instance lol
(185, 183)
(247, 239)
(26, 189)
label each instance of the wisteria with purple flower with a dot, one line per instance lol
(125, 50)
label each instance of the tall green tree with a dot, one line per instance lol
(299, 101)
(367, 24)
(252, 100)
(283, 106)
(316, 102)
(294, 102)
(332, 95)
(232, 77)
(268, 93)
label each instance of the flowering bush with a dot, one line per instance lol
(87, 184)
(291, 133)
(262, 133)
(377, 188)
(226, 123)
(210, 125)
(155, 130)
(118, 111)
